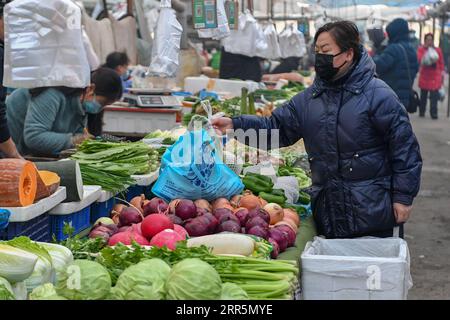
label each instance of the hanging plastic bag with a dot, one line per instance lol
(292, 42)
(272, 51)
(94, 62)
(44, 45)
(243, 41)
(166, 48)
(223, 29)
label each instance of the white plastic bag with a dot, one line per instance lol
(292, 42)
(273, 51)
(244, 40)
(290, 187)
(431, 57)
(223, 29)
(94, 62)
(44, 45)
(166, 48)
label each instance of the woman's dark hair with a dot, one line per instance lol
(116, 59)
(66, 91)
(346, 35)
(107, 83)
(429, 35)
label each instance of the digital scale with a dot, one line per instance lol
(152, 98)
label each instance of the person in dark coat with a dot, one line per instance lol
(7, 147)
(393, 62)
(238, 66)
(365, 159)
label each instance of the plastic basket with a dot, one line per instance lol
(101, 209)
(80, 221)
(37, 229)
(135, 191)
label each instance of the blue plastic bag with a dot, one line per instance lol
(192, 169)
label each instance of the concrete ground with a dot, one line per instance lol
(428, 231)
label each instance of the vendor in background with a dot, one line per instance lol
(46, 121)
(238, 66)
(7, 147)
(365, 159)
(119, 62)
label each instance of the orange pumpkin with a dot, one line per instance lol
(18, 183)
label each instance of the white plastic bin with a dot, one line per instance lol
(356, 269)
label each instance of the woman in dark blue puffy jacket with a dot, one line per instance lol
(365, 159)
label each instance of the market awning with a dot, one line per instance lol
(391, 3)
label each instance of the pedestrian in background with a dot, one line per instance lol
(397, 65)
(431, 75)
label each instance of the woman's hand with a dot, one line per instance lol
(222, 125)
(402, 212)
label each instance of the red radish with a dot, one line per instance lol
(259, 231)
(168, 238)
(229, 226)
(156, 205)
(185, 209)
(136, 228)
(127, 238)
(181, 231)
(154, 224)
(124, 229)
(128, 216)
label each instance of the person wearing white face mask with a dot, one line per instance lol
(46, 121)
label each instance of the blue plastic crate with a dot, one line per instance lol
(135, 191)
(102, 209)
(80, 221)
(37, 229)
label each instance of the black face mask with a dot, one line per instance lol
(324, 66)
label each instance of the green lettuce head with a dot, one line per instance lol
(45, 292)
(231, 291)
(84, 280)
(193, 279)
(143, 281)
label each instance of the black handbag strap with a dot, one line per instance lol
(407, 64)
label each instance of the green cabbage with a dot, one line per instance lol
(16, 264)
(45, 292)
(6, 291)
(143, 281)
(42, 273)
(84, 280)
(193, 279)
(231, 291)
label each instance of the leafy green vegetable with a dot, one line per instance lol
(231, 291)
(84, 280)
(143, 281)
(16, 264)
(45, 292)
(111, 164)
(193, 279)
(26, 244)
(6, 291)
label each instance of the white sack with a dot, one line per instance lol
(44, 45)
